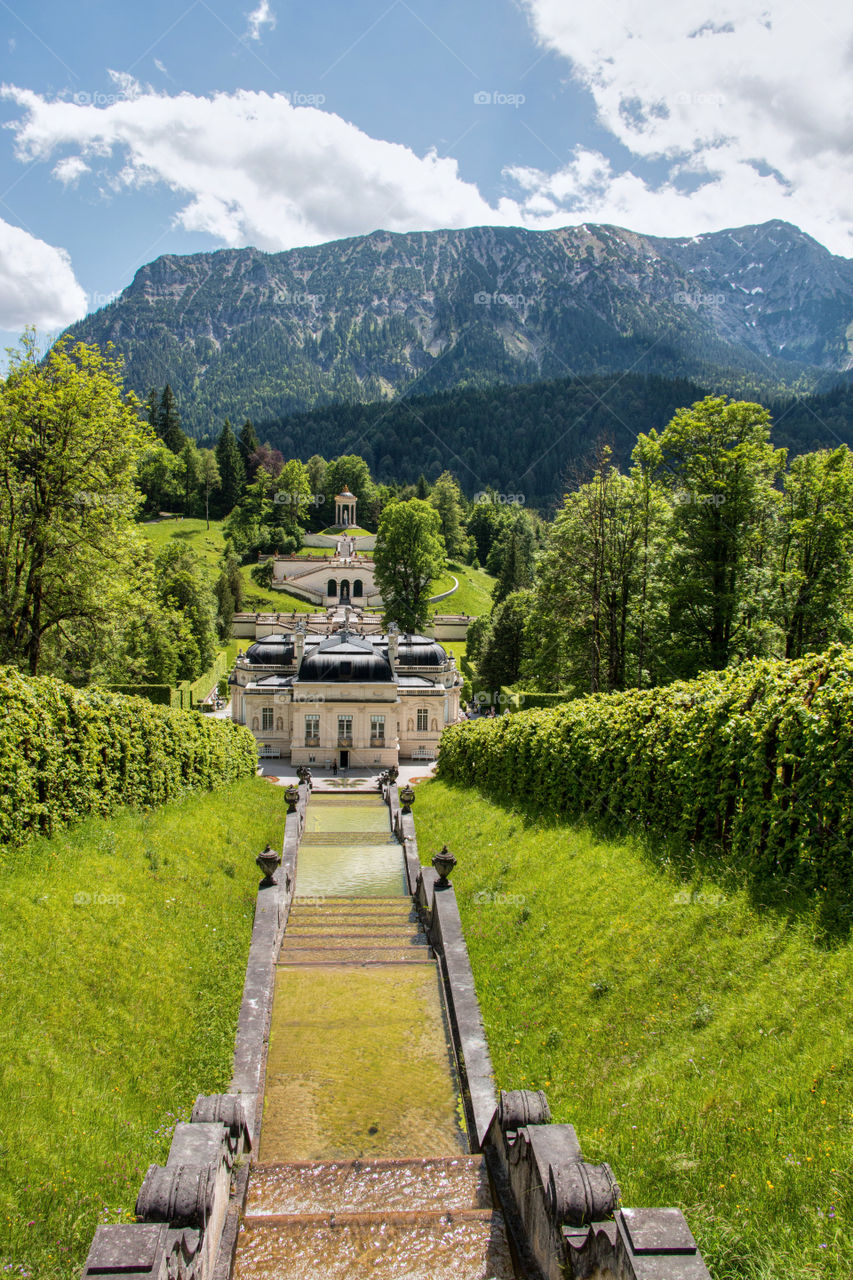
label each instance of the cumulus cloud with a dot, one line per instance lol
(749, 106)
(253, 168)
(37, 283)
(259, 18)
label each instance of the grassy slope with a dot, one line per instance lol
(209, 545)
(702, 1047)
(474, 595)
(116, 1014)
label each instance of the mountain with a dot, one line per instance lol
(242, 333)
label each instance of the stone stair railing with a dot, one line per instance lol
(564, 1215)
(188, 1210)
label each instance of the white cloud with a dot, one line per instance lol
(261, 17)
(749, 105)
(70, 169)
(37, 283)
(255, 169)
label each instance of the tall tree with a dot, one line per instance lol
(815, 551)
(409, 554)
(70, 443)
(169, 422)
(249, 443)
(209, 478)
(512, 556)
(502, 647)
(716, 462)
(446, 497)
(191, 473)
(588, 604)
(291, 496)
(231, 470)
(184, 587)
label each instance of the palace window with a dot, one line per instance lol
(266, 719)
(377, 731)
(423, 720)
(312, 731)
(344, 731)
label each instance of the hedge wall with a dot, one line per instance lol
(753, 764)
(162, 695)
(68, 752)
(523, 700)
(201, 687)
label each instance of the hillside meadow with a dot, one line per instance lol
(700, 1044)
(122, 962)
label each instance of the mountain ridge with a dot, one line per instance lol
(242, 332)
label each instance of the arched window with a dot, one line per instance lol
(358, 587)
(332, 589)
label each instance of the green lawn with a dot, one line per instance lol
(122, 960)
(701, 1046)
(474, 594)
(209, 545)
(355, 531)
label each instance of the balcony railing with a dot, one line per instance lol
(344, 741)
(312, 742)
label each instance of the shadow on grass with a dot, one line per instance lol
(826, 900)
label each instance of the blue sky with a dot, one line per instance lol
(132, 131)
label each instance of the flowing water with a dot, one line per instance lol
(363, 1167)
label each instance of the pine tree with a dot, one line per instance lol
(169, 424)
(249, 446)
(232, 473)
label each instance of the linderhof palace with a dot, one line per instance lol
(355, 700)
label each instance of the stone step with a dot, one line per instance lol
(337, 938)
(359, 1186)
(466, 1245)
(372, 903)
(398, 932)
(354, 955)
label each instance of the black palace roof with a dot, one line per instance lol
(347, 656)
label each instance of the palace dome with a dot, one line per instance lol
(420, 651)
(271, 651)
(345, 657)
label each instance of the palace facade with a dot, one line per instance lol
(352, 700)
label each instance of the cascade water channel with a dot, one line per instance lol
(363, 1168)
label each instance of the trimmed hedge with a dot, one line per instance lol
(201, 687)
(68, 752)
(753, 765)
(522, 700)
(162, 695)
